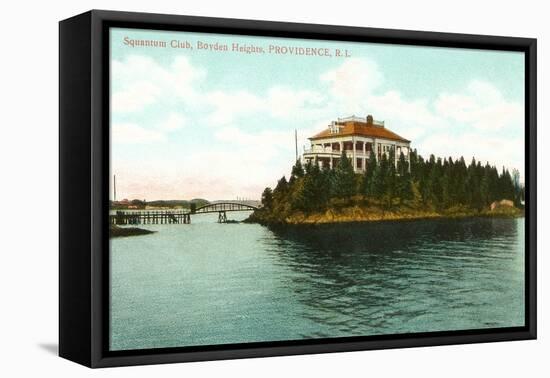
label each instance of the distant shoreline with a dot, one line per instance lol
(116, 232)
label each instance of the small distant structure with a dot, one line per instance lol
(357, 136)
(127, 204)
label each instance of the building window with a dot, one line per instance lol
(368, 146)
(359, 163)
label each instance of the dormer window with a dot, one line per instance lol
(333, 128)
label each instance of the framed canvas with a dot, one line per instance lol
(236, 188)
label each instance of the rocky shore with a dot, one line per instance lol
(359, 213)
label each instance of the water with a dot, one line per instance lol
(209, 283)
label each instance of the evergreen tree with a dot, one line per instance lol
(433, 183)
(325, 185)
(432, 189)
(460, 183)
(517, 187)
(282, 186)
(312, 192)
(280, 192)
(403, 184)
(390, 179)
(344, 178)
(485, 186)
(379, 178)
(370, 168)
(267, 198)
(508, 185)
(415, 164)
(297, 170)
(446, 185)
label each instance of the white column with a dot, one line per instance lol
(353, 154)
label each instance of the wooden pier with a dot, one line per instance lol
(150, 217)
(128, 217)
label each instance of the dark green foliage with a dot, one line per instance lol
(267, 198)
(370, 168)
(403, 180)
(379, 178)
(297, 170)
(343, 180)
(431, 184)
(313, 191)
(519, 190)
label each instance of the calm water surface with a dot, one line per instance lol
(210, 283)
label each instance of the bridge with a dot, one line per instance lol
(131, 217)
(222, 208)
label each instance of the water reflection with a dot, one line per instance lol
(208, 283)
(397, 277)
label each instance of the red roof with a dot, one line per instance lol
(360, 129)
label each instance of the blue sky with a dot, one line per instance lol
(189, 123)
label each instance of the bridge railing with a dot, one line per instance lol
(225, 206)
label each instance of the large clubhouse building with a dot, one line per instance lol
(357, 136)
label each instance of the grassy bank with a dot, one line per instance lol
(115, 231)
(361, 212)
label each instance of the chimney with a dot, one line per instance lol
(370, 120)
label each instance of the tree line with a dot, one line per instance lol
(435, 183)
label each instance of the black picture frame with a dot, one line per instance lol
(83, 181)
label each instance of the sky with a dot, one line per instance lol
(208, 123)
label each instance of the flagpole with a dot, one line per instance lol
(296, 142)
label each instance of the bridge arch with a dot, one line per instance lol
(223, 207)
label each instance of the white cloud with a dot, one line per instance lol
(230, 105)
(267, 144)
(141, 81)
(285, 102)
(478, 122)
(355, 89)
(135, 97)
(352, 81)
(409, 118)
(173, 122)
(279, 102)
(482, 106)
(214, 173)
(130, 133)
(494, 149)
(475, 122)
(133, 133)
(240, 162)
